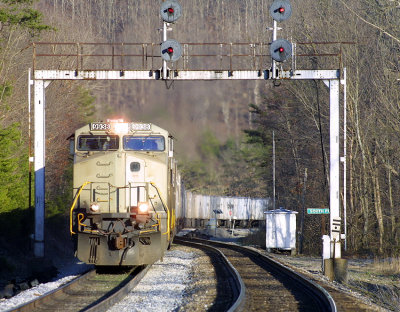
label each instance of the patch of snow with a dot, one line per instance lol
(67, 273)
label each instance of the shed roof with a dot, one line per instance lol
(280, 210)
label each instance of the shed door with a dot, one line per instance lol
(271, 241)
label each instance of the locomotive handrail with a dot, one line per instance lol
(168, 212)
(151, 183)
(158, 224)
(73, 205)
(137, 187)
(80, 218)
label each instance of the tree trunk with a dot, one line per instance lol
(378, 202)
(392, 212)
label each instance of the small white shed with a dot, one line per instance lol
(280, 229)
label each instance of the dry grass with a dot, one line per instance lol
(387, 266)
(384, 295)
(379, 280)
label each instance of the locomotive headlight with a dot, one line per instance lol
(143, 208)
(120, 127)
(94, 207)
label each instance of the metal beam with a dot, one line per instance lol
(326, 74)
(219, 75)
(96, 75)
(182, 74)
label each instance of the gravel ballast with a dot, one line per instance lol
(163, 288)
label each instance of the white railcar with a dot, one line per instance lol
(244, 210)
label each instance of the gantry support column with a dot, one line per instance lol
(334, 169)
(39, 145)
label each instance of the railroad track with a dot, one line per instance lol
(92, 291)
(266, 284)
(344, 301)
(230, 288)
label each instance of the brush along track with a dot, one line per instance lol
(93, 291)
(269, 285)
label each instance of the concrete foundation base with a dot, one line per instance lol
(328, 269)
(336, 270)
(340, 268)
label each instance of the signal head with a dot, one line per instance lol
(280, 50)
(280, 10)
(171, 50)
(170, 11)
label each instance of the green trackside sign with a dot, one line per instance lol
(317, 210)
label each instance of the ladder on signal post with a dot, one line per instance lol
(147, 67)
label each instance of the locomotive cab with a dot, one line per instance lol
(123, 208)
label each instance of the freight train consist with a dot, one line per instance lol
(243, 211)
(125, 191)
(128, 197)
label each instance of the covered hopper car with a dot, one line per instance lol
(244, 211)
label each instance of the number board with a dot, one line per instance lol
(141, 126)
(100, 126)
(108, 126)
(318, 211)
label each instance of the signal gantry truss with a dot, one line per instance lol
(149, 61)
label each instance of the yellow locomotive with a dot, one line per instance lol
(125, 186)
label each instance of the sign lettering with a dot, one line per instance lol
(318, 211)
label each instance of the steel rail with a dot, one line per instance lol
(102, 304)
(117, 296)
(238, 285)
(322, 295)
(30, 305)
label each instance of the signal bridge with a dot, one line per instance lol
(171, 60)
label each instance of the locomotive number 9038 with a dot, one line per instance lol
(95, 126)
(125, 193)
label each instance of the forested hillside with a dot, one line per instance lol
(223, 129)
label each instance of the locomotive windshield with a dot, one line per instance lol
(144, 143)
(97, 142)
